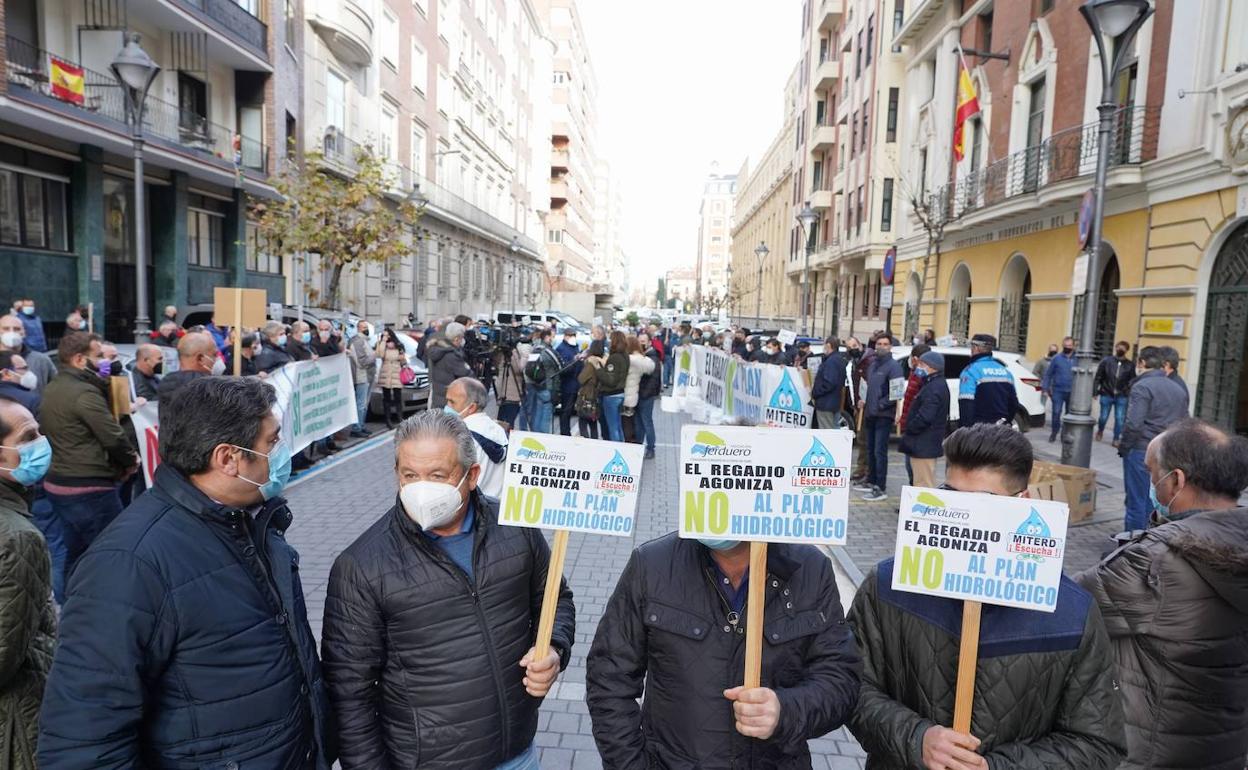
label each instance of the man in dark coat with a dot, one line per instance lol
(446, 363)
(828, 389)
(1175, 600)
(1045, 691)
(1057, 383)
(149, 365)
(923, 430)
(1155, 403)
(185, 639)
(197, 357)
(1112, 383)
(885, 386)
(273, 353)
(431, 615)
(986, 388)
(568, 352)
(675, 629)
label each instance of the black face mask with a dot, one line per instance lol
(1068, 351)
(159, 368)
(1121, 353)
(1052, 353)
(855, 353)
(882, 353)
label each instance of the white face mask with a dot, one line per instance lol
(29, 381)
(431, 504)
(218, 367)
(11, 340)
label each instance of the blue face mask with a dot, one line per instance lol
(1163, 510)
(718, 545)
(920, 373)
(451, 410)
(279, 470)
(305, 338)
(33, 461)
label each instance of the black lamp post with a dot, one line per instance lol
(1114, 24)
(807, 217)
(135, 71)
(760, 251)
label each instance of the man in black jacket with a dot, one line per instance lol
(676, 624)
(430, 620)
(185, 639)
(1112, 382)
(885, 386)
(1045, 691)
(923, 431)
(828, 390)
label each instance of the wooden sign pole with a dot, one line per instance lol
(238, 333)
(968, 658)
(754, 615)
(550, 601)
(91, 317)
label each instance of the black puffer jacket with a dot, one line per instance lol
(667, 625)
(1045, 695)
(184, 646)
(446, 364)
(1175, 601)
(421, 661)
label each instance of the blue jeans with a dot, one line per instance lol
(527, 760)
(82, 518)
(644, 417)
(47, 522)
(669, 367)
(878, 430)
(611, 416)
(1119, 406)
(1136, 480)
(1058, 399)
(361, 404)
(539, 410)
(528, 407)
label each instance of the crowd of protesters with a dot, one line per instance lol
(183, 637)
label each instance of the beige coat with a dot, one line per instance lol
(392, 360)
(638, 366)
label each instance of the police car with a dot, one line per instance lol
(1026, 384)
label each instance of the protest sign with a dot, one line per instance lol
(569, 485)
(315, 399)
(718, 388)
(764, 485)
(244, 308)
(787, 337)
(979, 548)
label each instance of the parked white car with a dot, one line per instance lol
(1026, 384)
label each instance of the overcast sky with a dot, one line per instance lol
(681, 84)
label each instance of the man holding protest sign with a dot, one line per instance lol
(1044, 689)
(432, 612)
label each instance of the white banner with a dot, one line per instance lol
(983, 548)
(315, 399)
(763, 484)
(718, 388)
(577, 484)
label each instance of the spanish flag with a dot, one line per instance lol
(968, 105)
(67, 81)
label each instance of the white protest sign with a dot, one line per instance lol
(897, 389)
(787, 337)
(718, 388)
(315, 399)
(571, 483)
(980, 548)
(764, 484)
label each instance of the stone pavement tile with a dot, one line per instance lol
(587, 760)
(577, 741)
(556, 759)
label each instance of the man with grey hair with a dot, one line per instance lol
(273, 353)
(13, 339)
(433, 612)
(446, 363)
(467, 398)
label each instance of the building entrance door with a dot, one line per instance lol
(119, 295)
(1222, 397)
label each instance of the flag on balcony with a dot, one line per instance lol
(66, 80)
(968, 105)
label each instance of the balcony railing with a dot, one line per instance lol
(30, 68)
(237, 20)
(1065, 155)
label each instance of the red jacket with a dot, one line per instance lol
(912, 387)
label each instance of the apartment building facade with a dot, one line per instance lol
(761, 292)
(1175, 239)
(611, 266)
(715, 222)
(212, 135)
(437, 88)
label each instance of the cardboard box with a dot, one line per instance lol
(1065, 483)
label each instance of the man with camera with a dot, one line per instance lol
(541, 380)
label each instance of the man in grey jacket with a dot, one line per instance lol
(363, 372)
(1175, 601)
(1155, 403)
(885, 385)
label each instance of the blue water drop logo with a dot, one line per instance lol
(616, 466)
(1034, 525)
(818, 456)
(785, 396)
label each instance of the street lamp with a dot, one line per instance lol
(135, 71)
(1114, 24)
(761, 251)
(419, 201)
(807, 217)
(728, 292)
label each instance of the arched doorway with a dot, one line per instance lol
(1015, 306)
(1106, 306)
(1222, 398)
(960, 302)
(913, 291)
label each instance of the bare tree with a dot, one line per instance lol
(935, 213)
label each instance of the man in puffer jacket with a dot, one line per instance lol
(431, 618)
(1045, 695)
(675, 628)
(446, 363)
(184, 642)
(1175, 600)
